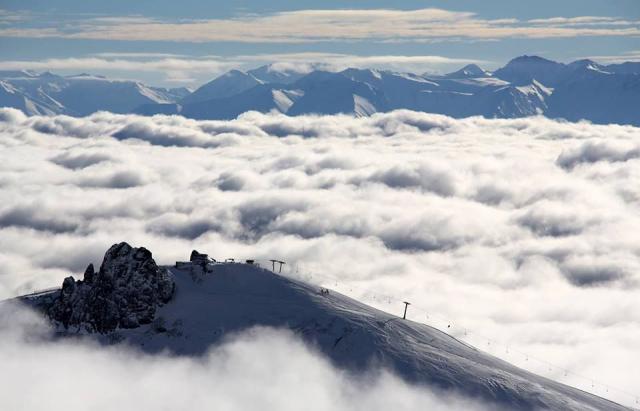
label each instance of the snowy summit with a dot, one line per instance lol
(189, 307)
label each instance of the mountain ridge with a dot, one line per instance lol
(209, 300)
(525, 86)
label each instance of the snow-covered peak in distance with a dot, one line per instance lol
(187, 308)
(228, 84)
(587, 64)
(572, 91)
(235, 82)
(284, 73)
(78, 95)
(524, 69)
(469, 71)
(524, 87)
(362, 74)
(86, 76)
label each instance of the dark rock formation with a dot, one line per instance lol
(123, 294)
(197, 257)
(89, 273)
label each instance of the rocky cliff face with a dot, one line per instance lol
(124, 293)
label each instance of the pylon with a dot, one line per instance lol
(406, 304)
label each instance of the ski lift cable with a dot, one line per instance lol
(304, 271)
(508, 347)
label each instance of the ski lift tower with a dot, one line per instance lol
(273, 265)
(406, 304)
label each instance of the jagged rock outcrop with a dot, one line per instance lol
(197, 257)
(124, 293)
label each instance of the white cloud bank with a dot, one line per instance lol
(304, 26)
(191, 69)
(261, 369)
(523, 230)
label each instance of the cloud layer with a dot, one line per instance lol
(191, 69)
(304, 26)
(522, 230)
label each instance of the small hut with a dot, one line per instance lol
(198, 258)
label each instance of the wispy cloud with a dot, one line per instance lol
(583, 21)
(7, 17)
(174, 69)
(304, 26)
(618, 58)
(134, 55)
(338, 61)
(164, 64)
(183, 68)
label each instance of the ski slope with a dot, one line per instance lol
(230, 297)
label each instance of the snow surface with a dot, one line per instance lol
(229, 84)
(79, 95)
(469, 71)
(231, 297)
(362, 106)
(526, 86)
(282, 100)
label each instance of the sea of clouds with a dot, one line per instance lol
(526, 231)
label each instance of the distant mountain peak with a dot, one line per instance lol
(228, 84)
(282, 73)
(469, 71)
(362, 74)
(290, 67)
(587, 64)
(524, 69)
(533, 59)
(526, 85)
(584, 62)
(235, 72)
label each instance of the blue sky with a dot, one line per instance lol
(187, 42)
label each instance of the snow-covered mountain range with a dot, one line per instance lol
(193, 305)
(527, 85)
(79, 95)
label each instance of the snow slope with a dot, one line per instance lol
(524, 69)
(12, 97)
(526, 86)
(273, 73)
(223, 298)
(361, 92)
(598, 96)
(263, 98)
(469, 71)
(227, 85)
(78, 95)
